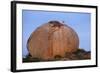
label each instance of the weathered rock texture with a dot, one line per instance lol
(80, 54)
(51, 40)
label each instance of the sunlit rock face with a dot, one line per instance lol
(51, 40)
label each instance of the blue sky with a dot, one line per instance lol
(80, 22)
